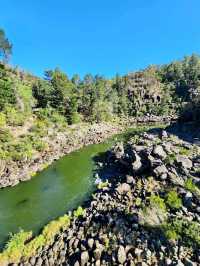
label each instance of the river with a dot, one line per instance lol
(62, 186)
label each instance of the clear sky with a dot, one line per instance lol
(99, 36)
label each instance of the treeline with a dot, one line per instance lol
(158, 90)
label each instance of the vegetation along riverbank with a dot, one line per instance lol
(145, 208)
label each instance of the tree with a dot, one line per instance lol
(42, 90)
(5, 46)
(61, 89)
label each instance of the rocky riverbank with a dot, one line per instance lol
(59, 144)
(146, 213)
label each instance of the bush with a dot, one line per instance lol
(21, 150)
(189, 185)
(157, 201)
(14, 117)
(187, 231)
(79, 212)
(5, 136)
(173, 201)
(2, 120)
(21, 246)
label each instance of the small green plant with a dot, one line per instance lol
(102, 185)
(187, 231)
(138, 201)
(79, 212)
(2, 120)
(170, 159)
(173, 201)
(22, 245)
(189, 185)
(13, 116)
(184, 151)
(157, 201)
(51, 229)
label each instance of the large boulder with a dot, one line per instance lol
(160, 170)
(159, 152)
(123, 188)
(184, 161)
(137, 164)
(84, 258)
(121, 255)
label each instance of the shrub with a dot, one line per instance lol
(170, 159)
(157, 201)
(54, 227)
(173, 201)
(32, 246)
(15, 246)
(14, 117)
(189, 185)
(79, 212)
(5, 136)
(2, 120)
(20, 245)
(21, 150)
(187, 231)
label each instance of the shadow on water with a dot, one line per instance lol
(22, 202)
(186, 131)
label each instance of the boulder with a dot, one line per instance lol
(137, 164)
(123, 188)
(90, 243)
(130, 179)
(184, 161)
(84, 258)
(121, 255)
(159, 152)
(160, 170)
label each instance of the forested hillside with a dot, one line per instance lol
(33, 108)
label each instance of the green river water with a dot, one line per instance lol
(59, 188)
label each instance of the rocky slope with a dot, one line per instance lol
(147, 213)
(59, 143)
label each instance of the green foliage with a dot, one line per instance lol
(14, 247)
(157, 201)
(187, 231)
(42, 91)
(2, 120)
(21, 245)
(190, 185)
(173, 201)
(170, 159)
(13, 116)
(5, 136)
(7, 92)
(5, 45)
(54, 227)
(102, 185)
(21, 150)
(79, 212)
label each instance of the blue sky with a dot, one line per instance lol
(100, 36)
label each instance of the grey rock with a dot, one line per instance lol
(90, 243)
(84, 258)
(130, 179)
(159, 152)
(123, 188)
(188, 262)
(163, 134)
(184, 161)
(137, 164)
(121, 255)
(97, 253)
(160, 170)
